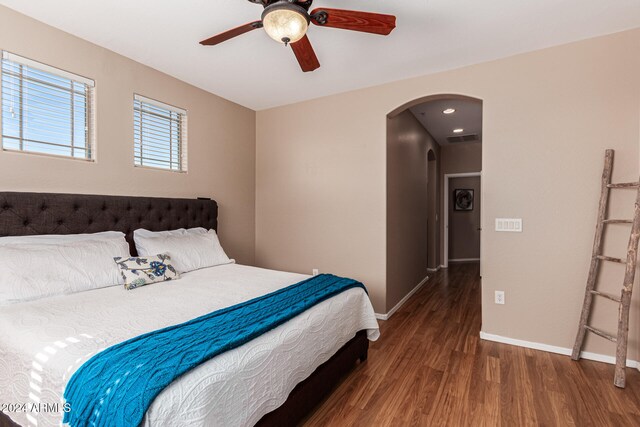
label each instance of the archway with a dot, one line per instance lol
(433, 231)
(416, 163)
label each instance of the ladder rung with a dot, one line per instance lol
(624, 185)
(608, 258)
(608, 296)
(618, 221)
(601, 333)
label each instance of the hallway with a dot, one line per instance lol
(430, 368)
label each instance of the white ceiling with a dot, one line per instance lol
(255, 71)
(468, 116)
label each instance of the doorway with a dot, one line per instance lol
(427, 139)
(433, 232)
(462, 217)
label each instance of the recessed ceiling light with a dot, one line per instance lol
(449, 111)
(459, 130)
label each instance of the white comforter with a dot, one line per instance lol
(42, 343)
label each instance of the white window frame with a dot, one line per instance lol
(89, 114)
(183, 140)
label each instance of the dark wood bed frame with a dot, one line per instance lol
(49, 213)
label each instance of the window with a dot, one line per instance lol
(160, 135)
(45, 110)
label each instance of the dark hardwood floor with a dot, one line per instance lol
(430, 368)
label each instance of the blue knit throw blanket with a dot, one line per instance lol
(116, 386)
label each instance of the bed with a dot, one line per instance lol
(275, 379)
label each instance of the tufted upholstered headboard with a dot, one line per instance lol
(50, 213)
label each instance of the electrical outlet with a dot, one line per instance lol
(499, 297)
(314, 272)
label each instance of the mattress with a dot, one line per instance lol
(42, 343)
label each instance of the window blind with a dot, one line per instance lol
(160, 135)
(45, 110)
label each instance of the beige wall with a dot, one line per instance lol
(319, 191)
(464, 236)
(548, 116)
(458, 158)
(408, 205)
(221, 135)
(461, 158)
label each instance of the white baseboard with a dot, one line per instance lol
(464, 260)
(434, 270)
(443, 266)
(555, 349)
(386, 316)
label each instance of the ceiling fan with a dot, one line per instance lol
(287, 21)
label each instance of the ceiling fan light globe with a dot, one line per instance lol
(285, 25)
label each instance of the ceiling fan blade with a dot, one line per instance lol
(366, 22)
(305, 54)
(222, 37)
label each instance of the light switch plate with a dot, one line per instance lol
(512, 225)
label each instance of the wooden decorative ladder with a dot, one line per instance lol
(624, 301)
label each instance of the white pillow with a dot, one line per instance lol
(188, 251)
(141, 235)
(29, 271)
(56, 239)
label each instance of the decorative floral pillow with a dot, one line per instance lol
(141, 271)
